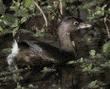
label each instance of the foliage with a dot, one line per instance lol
(93, 84)
(38, 32)
(15, 76)
(96, 9)
(28, 87)
(106, 49)
(93, 63)
(13, 21)
(2, 8)
(25, 9)
(92, 53)
(6, 51)
(47, 69)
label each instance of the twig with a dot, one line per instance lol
(106, 27)
(61, 11)
(41, 12)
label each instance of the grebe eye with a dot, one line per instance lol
(75, 23)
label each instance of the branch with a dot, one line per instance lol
(106, 27)
(41, 12)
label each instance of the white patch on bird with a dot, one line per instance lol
(14, 52)
(15, 48)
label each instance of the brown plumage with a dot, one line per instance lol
(66, 50)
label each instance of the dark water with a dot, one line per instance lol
(64, 77)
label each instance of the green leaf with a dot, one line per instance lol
(92, 52)
(31, 86)
(5, 31)
(48, 69)
(71, 62)
(106, 48)
(90, 66)
(9, 19)
(1, 29)
(2, 8)
(25, 31)
(6, 51)
(16, 23)
(93, 84)
(15, 31)
(28, 1)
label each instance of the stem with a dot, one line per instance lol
(106, 27)
(41, 12)
(61, 11)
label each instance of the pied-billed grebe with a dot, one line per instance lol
(67, 25)
(66, 51)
